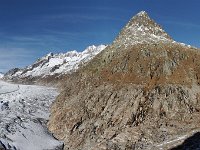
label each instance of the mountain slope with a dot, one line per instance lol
(138, 93)
(1, 75)
(55, 64)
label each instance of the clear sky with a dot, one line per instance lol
(30, 29)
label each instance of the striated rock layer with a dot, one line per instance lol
(141, 92)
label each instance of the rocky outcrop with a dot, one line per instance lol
(141, 92)
(110, 118)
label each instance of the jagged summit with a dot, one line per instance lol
(142, 13)
(141, 29)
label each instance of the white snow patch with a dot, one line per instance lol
(1, 75)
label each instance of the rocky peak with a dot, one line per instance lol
(141, 92)
(141, 29)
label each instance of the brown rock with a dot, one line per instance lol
(132, 95)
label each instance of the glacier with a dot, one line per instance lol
(23, 117)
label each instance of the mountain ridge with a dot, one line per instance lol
(138, 93)
(54, 64)
(141, 29)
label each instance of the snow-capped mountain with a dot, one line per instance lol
(53, 64)
(1, 75)
(141, 92)
(141, 29)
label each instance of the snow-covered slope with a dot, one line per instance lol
(1, 75)
(56, 63)
(24, 110)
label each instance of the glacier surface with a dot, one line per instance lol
(24, 111)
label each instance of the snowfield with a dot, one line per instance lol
(24, 111)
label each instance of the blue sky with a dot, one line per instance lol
(30, 29)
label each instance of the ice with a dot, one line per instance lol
(4, 88)
(24, 112)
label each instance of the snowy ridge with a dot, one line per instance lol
(53, 64)
(141, 29)
(183, 44)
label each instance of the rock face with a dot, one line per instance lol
(141, 29)
(54, 65)
(141, 92)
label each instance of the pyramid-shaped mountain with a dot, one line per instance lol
(141, 29)
(144, 53)
(140, 92)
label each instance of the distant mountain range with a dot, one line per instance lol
(55, 64)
